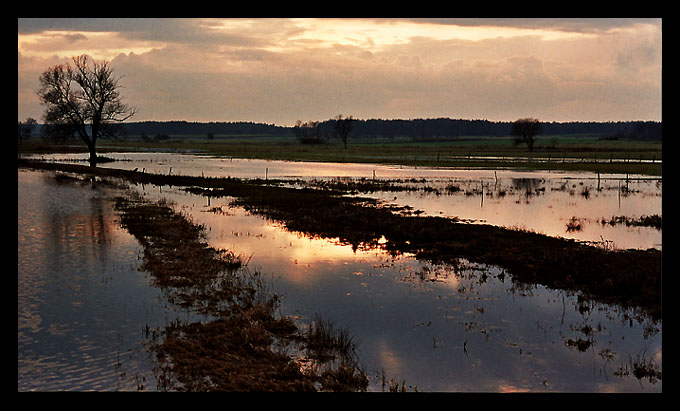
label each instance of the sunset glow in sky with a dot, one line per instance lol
(283, 70)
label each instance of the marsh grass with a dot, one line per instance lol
(324, 340)
(330, 352)
(641, 368)
(244, 344)
(653, 221)
(631, 278)
(574, 224)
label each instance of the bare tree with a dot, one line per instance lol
(343, 126)
(82, 100)
(525, 130)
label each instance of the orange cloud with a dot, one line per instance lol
(282, 70)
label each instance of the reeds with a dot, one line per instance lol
(234, 351)
(653, 221)
(324, 340)
(574, 224)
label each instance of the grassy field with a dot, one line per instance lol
(572, 153)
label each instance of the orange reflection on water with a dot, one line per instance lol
(511, 388)
(293, 255)
(389, 360)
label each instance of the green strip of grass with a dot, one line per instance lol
(550, 153)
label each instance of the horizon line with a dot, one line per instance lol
(393, 119)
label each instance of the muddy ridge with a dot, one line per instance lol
(245, 345)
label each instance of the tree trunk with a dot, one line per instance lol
(92, 141)
(93, 155)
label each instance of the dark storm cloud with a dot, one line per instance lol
(174, 30)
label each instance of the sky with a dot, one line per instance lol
(280, 70)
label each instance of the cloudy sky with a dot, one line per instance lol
(283, 70)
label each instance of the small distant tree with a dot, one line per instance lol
(82, 100)
(308, 132)
(25, 129)
(343, 126)
(525, 130)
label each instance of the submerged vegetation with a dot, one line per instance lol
(644, 221)
(631, 278)
(244, 346)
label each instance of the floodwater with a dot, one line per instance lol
(83, 305)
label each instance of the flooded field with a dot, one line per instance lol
(570, 205)
(82, 302)
(84, 307)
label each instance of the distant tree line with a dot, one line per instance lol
(446, 128)
(25, 129)
(195, 128)
(418, 129)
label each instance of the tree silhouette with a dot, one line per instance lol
(25, 129)
(343, 126)
(525, 130)
(308, 133)
(82, 100)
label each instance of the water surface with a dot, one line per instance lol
(548, 202)
(83, 304)
(433, 327)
